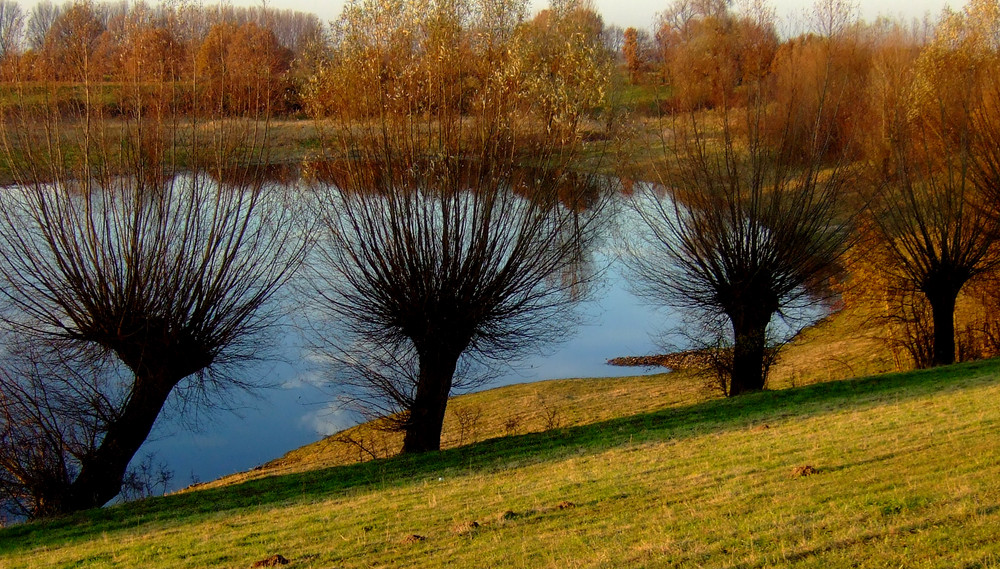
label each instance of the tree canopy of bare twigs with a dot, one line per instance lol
(745, 225)
(141, 254)
(11, 27)
(454, 234)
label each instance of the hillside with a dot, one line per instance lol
(504, 411)
(834, 349)
(897, 470)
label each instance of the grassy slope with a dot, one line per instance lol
(504, 411)
(837, 348)
(907, 470)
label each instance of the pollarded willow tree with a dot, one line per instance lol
(935, 212)
(141, 255)
(455, 233)
(748, 221)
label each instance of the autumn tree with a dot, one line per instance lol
(152, 53)
(634, 53)
(67, 52)
(568, 69)
(708, 51)
(832, 70)
(243, 67)
(930, 211)
(452, 226)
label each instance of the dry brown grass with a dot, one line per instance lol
(841, 346)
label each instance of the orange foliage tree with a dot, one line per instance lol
(635, 55)
(69, 47)
(242, 67)
(708, 52)
(809, 70)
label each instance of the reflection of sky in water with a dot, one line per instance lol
(274, 421)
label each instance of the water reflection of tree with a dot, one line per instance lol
(435, 267)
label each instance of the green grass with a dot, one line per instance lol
(647, 99)
(907, 469)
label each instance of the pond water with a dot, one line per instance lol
(301, 408)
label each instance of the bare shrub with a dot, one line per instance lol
(468, 417)
(512, 425)
(743, 227)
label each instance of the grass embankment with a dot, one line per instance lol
(834, 349)
(504, 411)
(905, 476)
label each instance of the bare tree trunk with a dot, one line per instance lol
(942, 303)
(102, 473)
(426, 416)
(749, 353)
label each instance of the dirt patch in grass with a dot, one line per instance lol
(466, 528)
(805, 470)
(272, 561)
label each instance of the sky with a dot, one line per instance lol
(632, 13)
(641, 13)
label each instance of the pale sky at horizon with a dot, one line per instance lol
(634, 13)
(641, 13)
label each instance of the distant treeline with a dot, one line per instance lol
(251, 59)
(232, 51)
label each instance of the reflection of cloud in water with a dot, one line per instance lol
(329, 420)
(312, 378)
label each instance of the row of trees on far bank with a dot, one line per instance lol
(451, 206)
(226, 51)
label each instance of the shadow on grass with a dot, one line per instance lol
(673, 423)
